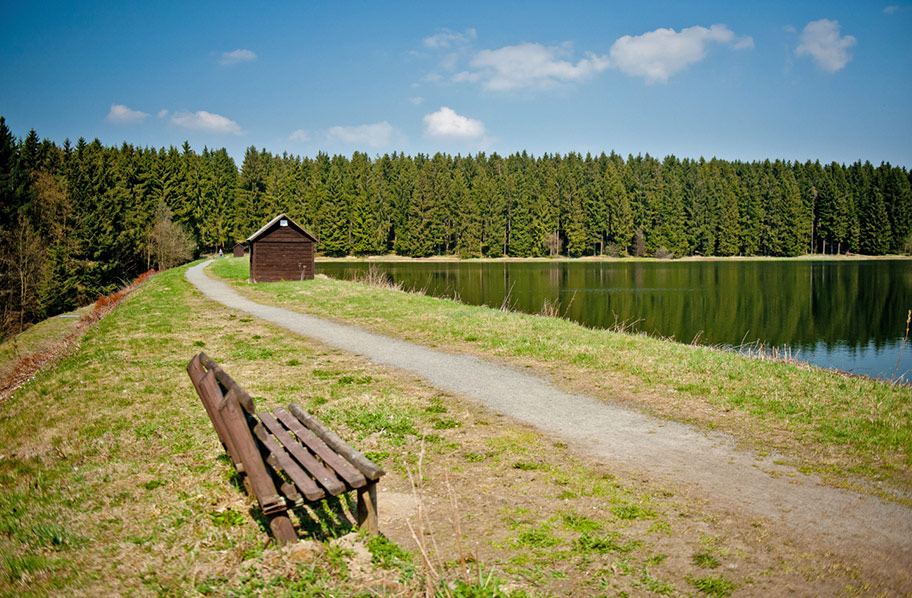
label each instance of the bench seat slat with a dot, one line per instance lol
(304, 483)
(322, 475)
(368, 468)
(342, 468)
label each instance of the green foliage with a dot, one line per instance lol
(379, 418)
(485, 587)
(388, 555)
(526, 466)
(704, 560)
(227, 518)
(537, 537)
(712, 586)
(609, 542)
(580, 523)
(16, 566)
(445, 424)
(627, 512)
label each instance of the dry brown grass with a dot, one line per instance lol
(374, 277)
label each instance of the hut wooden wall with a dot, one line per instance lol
(281, 254)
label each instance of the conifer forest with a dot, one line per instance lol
(80, 220)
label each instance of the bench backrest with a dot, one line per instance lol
(296, 445)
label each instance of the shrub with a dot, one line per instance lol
(662, 253)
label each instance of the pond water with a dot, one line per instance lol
(849, 315)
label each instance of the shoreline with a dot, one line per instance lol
(604, 258)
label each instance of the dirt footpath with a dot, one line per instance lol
(847, 523)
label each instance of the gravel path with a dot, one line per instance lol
(849, 523)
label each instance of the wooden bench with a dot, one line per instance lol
(286, 458)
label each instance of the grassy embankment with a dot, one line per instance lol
(851, 430)
(112, 481)
(37, 339)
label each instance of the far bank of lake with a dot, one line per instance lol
(848, 314)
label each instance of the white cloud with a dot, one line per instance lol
(821, 40)
(376, 135)
(299, 135)
(205, 121)
(239, 55)
(892, 9)
(447, 38)
(530, 65)
(122, 115)
(657, 55)
(162, 113)
(416, 100)
(446, 123)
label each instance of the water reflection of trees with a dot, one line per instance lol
(798, 303)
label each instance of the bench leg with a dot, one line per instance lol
(367, 508)
(282, 528)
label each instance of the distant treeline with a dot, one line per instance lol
(78, 220)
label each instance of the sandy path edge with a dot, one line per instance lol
(843, 521)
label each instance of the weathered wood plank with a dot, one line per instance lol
(210, 395)
(286, 464)
(282, 528)
(367, 509)
(291, 494)
(260, 480)
(318, 472)
(367, 467)
(213, 397)
(228, 383)
(342, 468)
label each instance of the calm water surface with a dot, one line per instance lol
(849, 315)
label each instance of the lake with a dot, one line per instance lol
(844, 314)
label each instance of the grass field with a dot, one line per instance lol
(112, 481)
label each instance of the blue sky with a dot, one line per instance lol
(741, 81)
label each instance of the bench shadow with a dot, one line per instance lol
(326, 519)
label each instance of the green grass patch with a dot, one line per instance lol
(388, 555)
(704, 560)
(713, 586)
(604, 543)
(537, 537)
(580, 523)
(227, 518)
(38, 338)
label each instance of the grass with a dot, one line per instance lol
(713, 586)
(37, 338)
(112, 482)
(845, 428)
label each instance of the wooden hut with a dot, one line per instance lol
(281, 250)
(238, 250)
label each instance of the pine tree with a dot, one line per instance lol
(897, 197)
(728, 231)
(489, 197)
(335, 237)
(362, 210)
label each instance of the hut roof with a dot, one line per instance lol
(291, 223)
